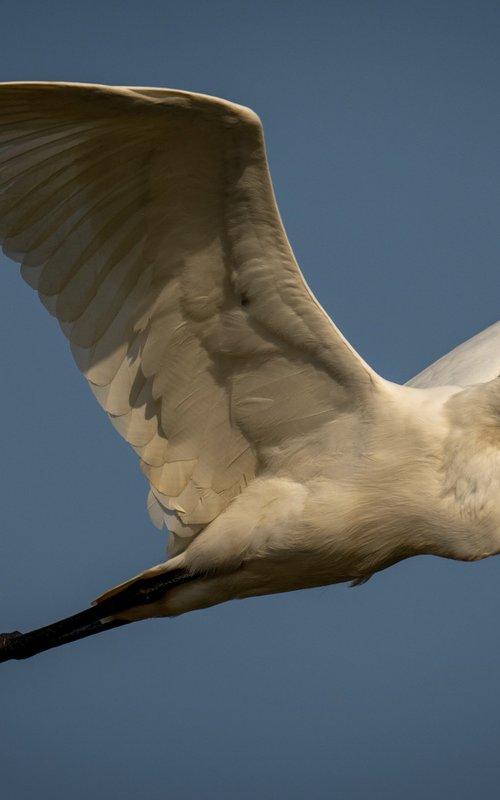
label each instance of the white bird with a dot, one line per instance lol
(277, 458)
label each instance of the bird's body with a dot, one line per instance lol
(277, 457)
(318, 515)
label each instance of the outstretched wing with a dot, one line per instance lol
(146, 220)
(475, 361)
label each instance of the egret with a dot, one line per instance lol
(277, 458)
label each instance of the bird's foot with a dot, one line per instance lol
(7, 647)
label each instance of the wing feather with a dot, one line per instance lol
(475, 361)
(146, 220)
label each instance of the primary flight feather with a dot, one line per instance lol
(146, 220)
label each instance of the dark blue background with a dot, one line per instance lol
(383, 130)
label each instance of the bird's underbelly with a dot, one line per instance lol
(281, 535)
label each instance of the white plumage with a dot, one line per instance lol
(278, 459)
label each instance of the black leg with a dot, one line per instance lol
(145, 590)
(24, 645)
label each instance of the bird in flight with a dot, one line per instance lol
(277, 458)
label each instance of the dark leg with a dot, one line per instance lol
(146, 590)
(23, 645)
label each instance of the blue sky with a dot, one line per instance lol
(382, 123)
